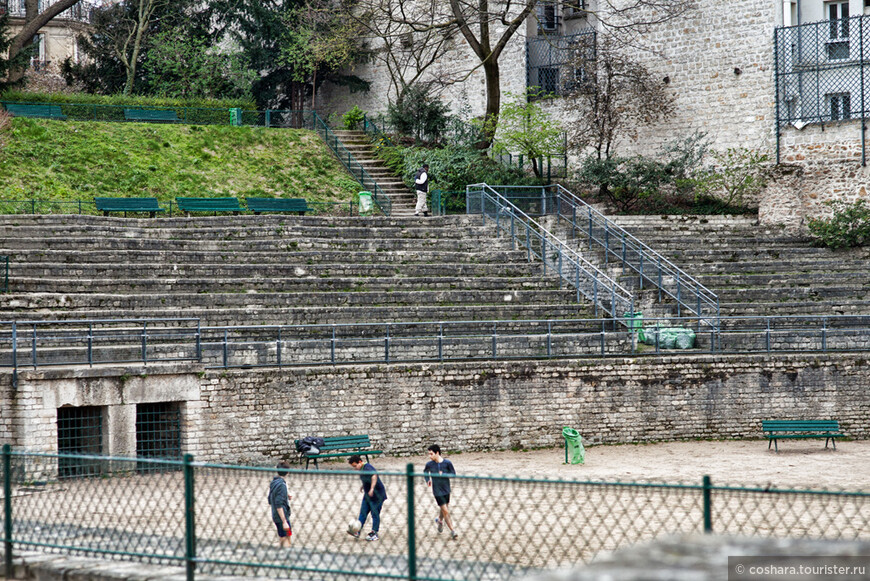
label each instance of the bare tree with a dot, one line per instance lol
(128, 41)
(487, 26)
(613, 96)
(412, 40)
(33, 21)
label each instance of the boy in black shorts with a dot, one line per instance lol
(440, 486)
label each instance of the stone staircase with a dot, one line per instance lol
(403, 198)
(279, 270)
(757, 270)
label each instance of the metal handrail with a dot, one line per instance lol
(370, 127)
(82, 342)
(706, 300)
(567, 263)
(380, 198)
(28, 340)
(691, 297)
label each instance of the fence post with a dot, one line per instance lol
(199, 341)
(7, 508)
(189, 518)
(708, 509)
(412, 535)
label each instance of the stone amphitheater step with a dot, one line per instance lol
(754, 270)
(256, 314)
(272, 270)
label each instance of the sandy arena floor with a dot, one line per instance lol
(799, 463)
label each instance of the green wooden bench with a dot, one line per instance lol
(209, 205)
(782, 429)
(151, 115)
(32, 110)
(125, 205)
(297, 205)
(340, 446)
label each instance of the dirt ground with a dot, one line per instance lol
(551, 524)
(799, 463)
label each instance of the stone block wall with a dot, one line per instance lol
(253, 416)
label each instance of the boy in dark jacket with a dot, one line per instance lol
(440, 486)
(279, 500)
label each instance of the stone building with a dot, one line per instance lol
(56, 41)
(785, 77)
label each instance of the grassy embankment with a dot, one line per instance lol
(71, 160)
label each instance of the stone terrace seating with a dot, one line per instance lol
(758, 271)
(251, 270)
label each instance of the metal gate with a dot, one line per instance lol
(158, 433)
(79, 431)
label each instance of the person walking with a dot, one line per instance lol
(440, 486)
(421, 184)
(374, 495)
(279, 500)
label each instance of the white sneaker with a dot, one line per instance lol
(439, 524)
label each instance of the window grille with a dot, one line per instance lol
(158, 433)
(79, 431)
(548, 17)
(558, 63)
(839, 106)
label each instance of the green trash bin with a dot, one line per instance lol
(634, 320)
(365, 203)
(575, 453)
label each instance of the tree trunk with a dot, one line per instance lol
(33, 21)
(493, 102)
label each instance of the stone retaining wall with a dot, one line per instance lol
(252, 416)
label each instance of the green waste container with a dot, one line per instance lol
(236, 116)
(634, 320)
(575, 453)
(365, 203)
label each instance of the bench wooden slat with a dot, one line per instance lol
(258, 205)
(226, 204)
(125, 205)
(330, 449)
(775, 430)
(151, 115)
(34, 110)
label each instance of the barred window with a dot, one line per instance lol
(840, 104)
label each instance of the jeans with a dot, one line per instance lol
(371, 505)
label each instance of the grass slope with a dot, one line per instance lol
(67, 160)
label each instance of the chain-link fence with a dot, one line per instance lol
(822, 70)
(216, 519)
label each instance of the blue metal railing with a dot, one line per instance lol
(652, 269)
(381, 200)
(33, 344)
(89, 341)
(555, 255)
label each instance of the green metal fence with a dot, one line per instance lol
(283, 118)
(88, 207)
(214, 519)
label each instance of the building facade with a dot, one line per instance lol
(785, 77)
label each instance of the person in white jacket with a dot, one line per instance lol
(421, 184)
